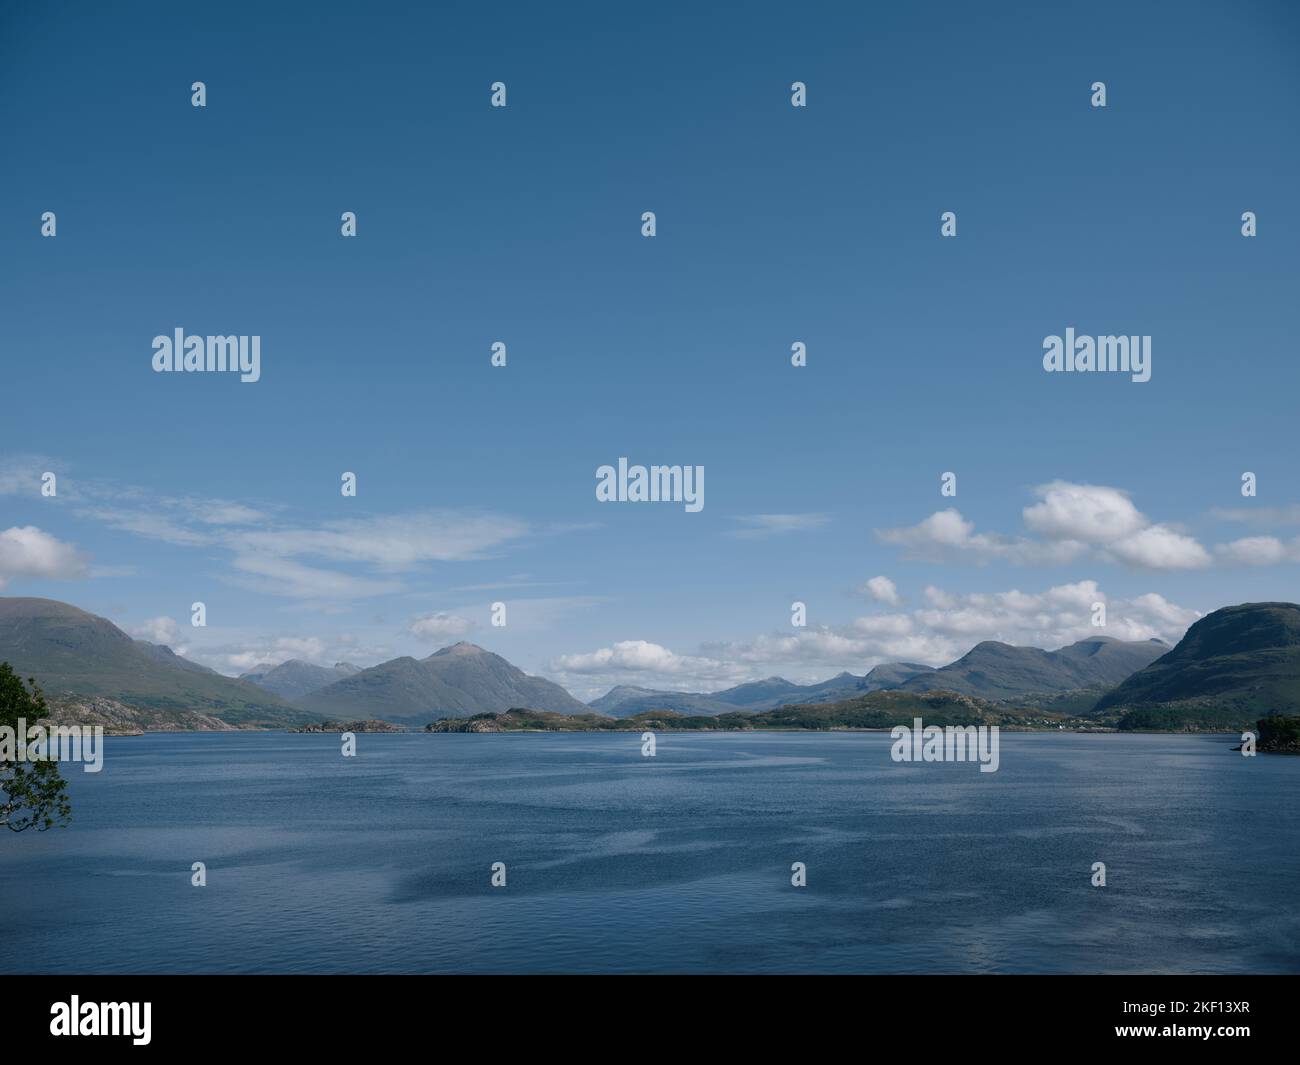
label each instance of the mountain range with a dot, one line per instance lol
(628, 701)
(1004, 673)
(296, 678)
(989, 670)
(457, 681)
(1232, 667)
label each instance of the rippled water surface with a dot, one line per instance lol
(615, 862)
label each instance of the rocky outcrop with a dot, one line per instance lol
(118, 719)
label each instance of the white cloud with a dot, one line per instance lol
(759, 526)
(21, 474)
(882, 590)
(392, 543)
(1163, 619)
(150, 525)
(946, 535)
(1283, 515)
(1159, 547)
(645, 664)
(1091, 513)
(884, 626)
(1052, 618)
(1257, 551)
(220, 512)
(270, 560)
(241, 661)
(308, 647)
(275, 557)
(939, 598)
(26, 551)
(542, 613)
(235, 652)
(162, 630)
(282, 576)
(441, 627)
(523, 615)
(944, 528)
(388, 544)
(1071, 520)
(633, 656)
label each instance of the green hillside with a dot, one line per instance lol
(457, 681)
(70, 651)
(999, 671)
(1232, 667)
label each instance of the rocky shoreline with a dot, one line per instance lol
(368, 725)
(119, 719)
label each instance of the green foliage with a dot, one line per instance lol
(875, 710)
(1279, 732)
(1185, 717)
(32, 794)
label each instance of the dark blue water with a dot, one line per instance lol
(678, 863)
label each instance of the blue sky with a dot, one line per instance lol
(522, 224)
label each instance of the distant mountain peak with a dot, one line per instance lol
(295, 677)
(456, 681)
(463, 647)
(995, 645)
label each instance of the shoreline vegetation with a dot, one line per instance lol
(369, 724)
(1279, 734)
(879, 711)
(875, 712)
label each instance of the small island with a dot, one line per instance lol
(368, 725)
(1279, 733)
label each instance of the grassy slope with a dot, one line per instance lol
(1233, 667)
(70, 651)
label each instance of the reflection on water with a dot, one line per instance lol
(676, 863)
